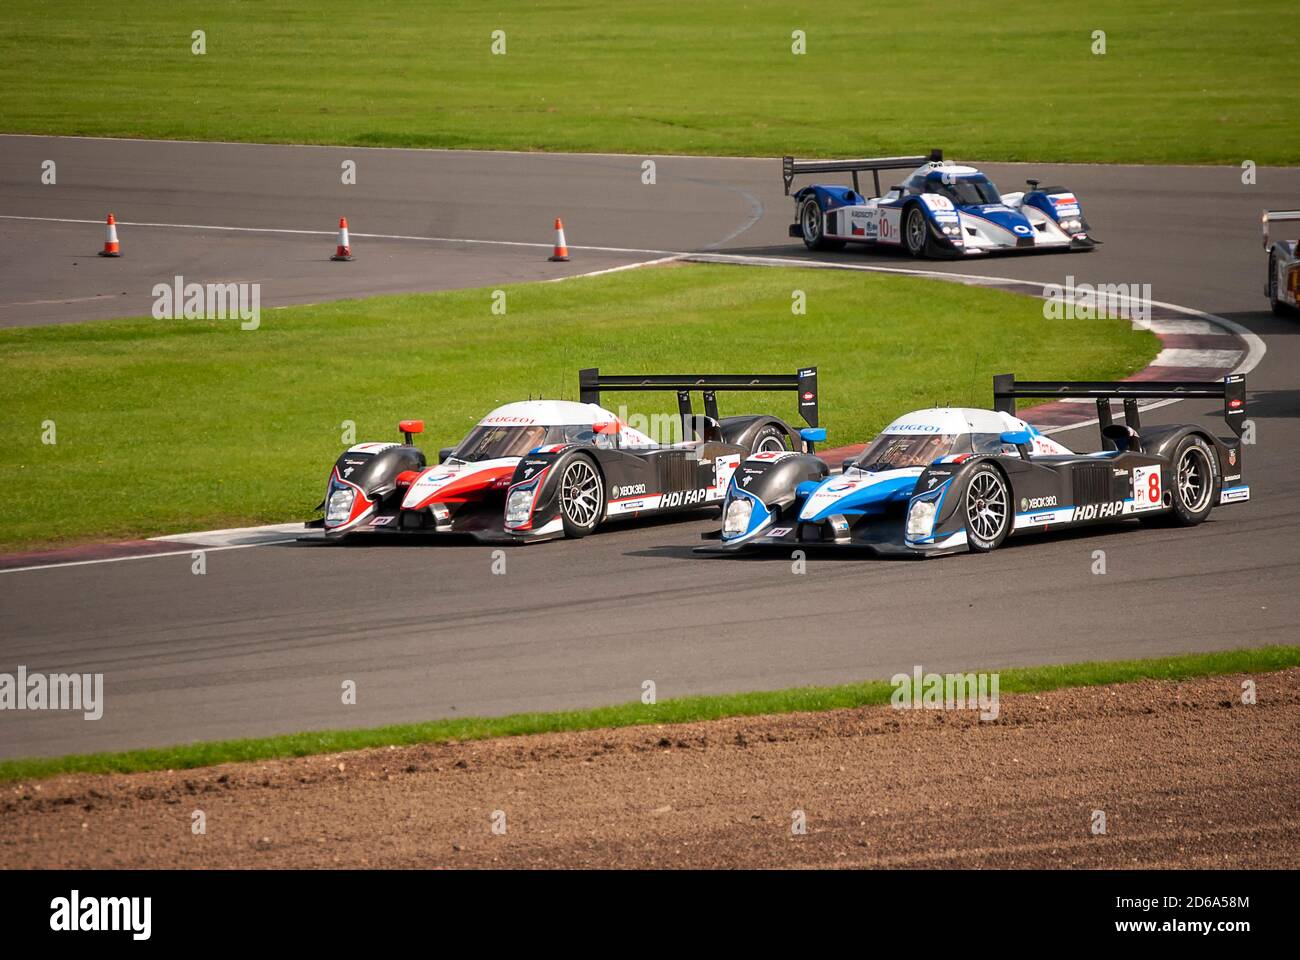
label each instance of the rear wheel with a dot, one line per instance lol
(582, 497)
(1195, 482)
(1277, 305)
(811, 223)
(916, 232)
(770, 439)
(987, 509)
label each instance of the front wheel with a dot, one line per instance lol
(916, 232)
(582, 497)
(1195, 482)
(987, 509)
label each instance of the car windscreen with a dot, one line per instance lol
(493, 442)
(966, 193)
(895, 451)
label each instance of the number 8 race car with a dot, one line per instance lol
(938, 481)
(539, 469)
(940, 210)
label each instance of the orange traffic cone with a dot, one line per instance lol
(111, 247)
(561, 247)
(344, 251)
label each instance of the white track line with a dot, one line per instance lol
(145, 556)
(619, 269)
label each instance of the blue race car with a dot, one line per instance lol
(940, 210)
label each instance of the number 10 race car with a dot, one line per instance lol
(539, 469)
(938, 481)
(940, 210)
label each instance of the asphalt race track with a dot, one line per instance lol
(261, 644)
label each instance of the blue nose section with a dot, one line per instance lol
(871, 498)
(1004, 217)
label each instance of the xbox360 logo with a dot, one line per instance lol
(613, 492)
(1024, 503)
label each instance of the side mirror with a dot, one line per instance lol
(444, 453)
(409, 427)
(609, 428)
(811, 435)
(1019, 438)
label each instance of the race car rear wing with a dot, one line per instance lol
(591, 384)
(1231, 388)
(791, 168)
(1270, 216)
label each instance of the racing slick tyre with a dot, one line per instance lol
(1196, 482)
(916, 232)
(1279, 308)
(582, 497)
(986, 508)
(769, 439)
(810, 223)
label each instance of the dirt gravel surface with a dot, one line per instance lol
(1186, 775)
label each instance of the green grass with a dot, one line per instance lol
(682, 710)
(168, 426)
(1197, 82)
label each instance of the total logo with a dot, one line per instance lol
(1036, 503)
(1098, 511)
(629, 490)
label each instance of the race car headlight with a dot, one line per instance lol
(736, 520)
(519, 505)
(920, 518)
(1073, 225)
(339, 506)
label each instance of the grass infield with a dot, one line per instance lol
(683, 710)
(1190, 82)
(169, 426)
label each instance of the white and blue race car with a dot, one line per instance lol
(944, 480)
(940, 210)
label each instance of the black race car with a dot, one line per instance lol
(538, 469)
(942, 480)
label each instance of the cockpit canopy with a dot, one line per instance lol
(967, 188)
